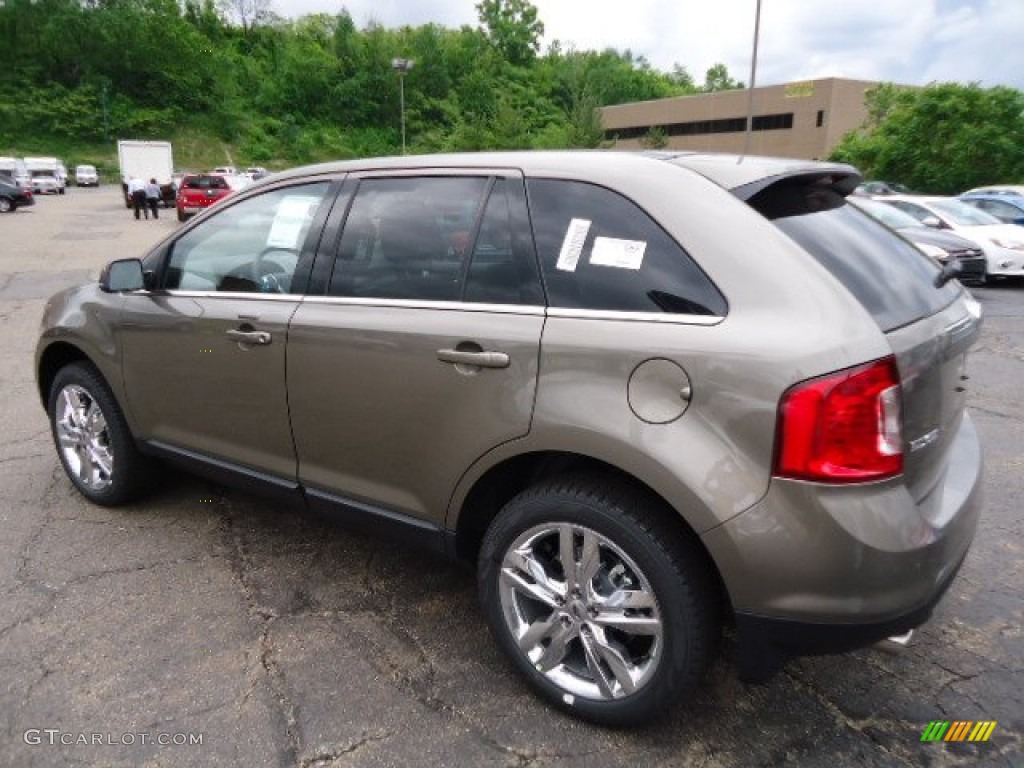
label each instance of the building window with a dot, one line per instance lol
(698, 127)
(821, 118)
(778, 122)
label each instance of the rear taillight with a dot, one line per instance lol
(845, 427)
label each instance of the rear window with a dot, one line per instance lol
(891, 278)
(205, 182)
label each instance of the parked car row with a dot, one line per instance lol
(990, 218)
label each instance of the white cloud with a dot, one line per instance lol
(906, 41)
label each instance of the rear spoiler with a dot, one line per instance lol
(838, 179)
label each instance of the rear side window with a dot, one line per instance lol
(435, 239)
(892, 279)
(600, 251)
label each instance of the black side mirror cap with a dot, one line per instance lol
(123, 275)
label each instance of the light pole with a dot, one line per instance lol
(750, 88)
(402, 66)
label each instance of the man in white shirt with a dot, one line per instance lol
(137, 191)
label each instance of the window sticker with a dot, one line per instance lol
(572, 245)
(623, 254)
(290, 219)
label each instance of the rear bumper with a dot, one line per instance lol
(822, 569)
(767, 642)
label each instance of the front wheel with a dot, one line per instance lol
(6, 205)
(604, 604)
(92, 438)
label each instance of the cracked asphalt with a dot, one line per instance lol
(282, 642)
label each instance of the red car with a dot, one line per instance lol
(199, 191)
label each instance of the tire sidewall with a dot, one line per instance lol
(121, 445)
(529, 510)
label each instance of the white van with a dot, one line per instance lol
(86, 176)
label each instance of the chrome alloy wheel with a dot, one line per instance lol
(83, 437)
(581, 611)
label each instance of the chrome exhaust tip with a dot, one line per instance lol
(896, 643)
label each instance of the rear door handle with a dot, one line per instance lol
(479, 359)
(257, 338)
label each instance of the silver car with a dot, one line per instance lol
(646, 394)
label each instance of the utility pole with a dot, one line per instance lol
(750, 87)
(106, 131)
(402, 67)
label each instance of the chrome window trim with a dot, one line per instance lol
(637, 317)
(457, 306)
(234, 295)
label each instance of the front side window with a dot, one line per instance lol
(1001, 210)
(251, 247)
(600, 251)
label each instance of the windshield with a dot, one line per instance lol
(964, 215)
(891, 217)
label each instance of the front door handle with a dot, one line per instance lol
(257, 338)
(478, 359)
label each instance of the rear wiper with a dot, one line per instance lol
(949, 270)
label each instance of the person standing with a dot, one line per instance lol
(137, 192)
(153, 197)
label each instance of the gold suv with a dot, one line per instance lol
(645, 394)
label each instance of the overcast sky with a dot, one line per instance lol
(904, 41)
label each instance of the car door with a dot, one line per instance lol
(422, 355)
(204, 352)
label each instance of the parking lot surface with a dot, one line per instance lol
(202, 615)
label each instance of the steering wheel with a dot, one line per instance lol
(268, 272)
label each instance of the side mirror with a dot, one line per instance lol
(1019, 221)
(122, 275)
(932, 221)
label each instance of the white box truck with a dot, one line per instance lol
(14, 170)
(147, 160)
(46, 174)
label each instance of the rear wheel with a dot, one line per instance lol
(605, 607)
(92, 438)
(182, 216)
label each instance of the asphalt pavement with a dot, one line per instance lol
(202, 627)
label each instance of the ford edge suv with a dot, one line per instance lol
(646, 394)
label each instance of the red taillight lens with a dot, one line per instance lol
(842, 428)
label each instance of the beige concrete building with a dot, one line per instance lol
(805, 119)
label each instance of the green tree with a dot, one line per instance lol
(717, 78)
(513, 28)
(942, 139)
(655, 138)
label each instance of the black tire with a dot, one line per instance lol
(182, 216)
(130, 472)
(6, 205)
(665, 563)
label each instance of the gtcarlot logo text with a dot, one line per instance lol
(54, 736)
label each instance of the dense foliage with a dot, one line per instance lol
(941, 139)
(285, 91)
